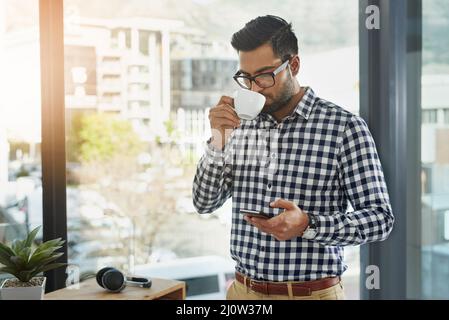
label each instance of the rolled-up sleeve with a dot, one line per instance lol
(361, 177)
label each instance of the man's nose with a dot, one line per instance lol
(256, 88)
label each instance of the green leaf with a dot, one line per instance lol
(17, 245)
(18, 261)
(38, 257)
(25, 276)
(51, 267)
(23, 263)
(48, 260)
(25, 254)
(31, 236)
(7, 249)
(49, 244)
(46, 252)
(5, 259)
(11, 271)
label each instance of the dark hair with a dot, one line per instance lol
(267, 29)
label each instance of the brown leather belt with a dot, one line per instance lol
(298, 289)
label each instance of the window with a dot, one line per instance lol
(430, 116)
(130, 173)
(446, 116)
(446, 225)
(20, 126)
(435, 151)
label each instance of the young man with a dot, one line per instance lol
(315, 159)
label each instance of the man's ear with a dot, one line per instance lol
(295, 65)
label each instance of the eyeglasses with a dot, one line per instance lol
(263, 80)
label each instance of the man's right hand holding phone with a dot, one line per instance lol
(255, 214)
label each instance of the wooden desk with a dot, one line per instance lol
(161, 289)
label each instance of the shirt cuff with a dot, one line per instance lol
(213, 154)
(325, 227)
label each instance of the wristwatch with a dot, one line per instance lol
(311, 229)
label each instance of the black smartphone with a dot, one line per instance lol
(255, 214)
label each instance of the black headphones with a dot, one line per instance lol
(114, 281)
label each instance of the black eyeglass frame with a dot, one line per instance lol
(254, 78)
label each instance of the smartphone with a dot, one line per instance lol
(255, 214)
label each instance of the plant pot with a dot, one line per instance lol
(22, 293)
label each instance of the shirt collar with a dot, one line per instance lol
(303, 108)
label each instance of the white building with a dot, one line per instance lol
(131, 68)
(435, 119)
(112, 65)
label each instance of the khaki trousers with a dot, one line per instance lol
(238, 291)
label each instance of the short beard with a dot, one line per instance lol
(284, 97)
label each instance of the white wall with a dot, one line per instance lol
(333, 75)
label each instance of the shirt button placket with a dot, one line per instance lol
(273, 157)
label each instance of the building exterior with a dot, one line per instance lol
(435, 129)
(435, 186)
(121, 66)
(138, 68)
(198, 83)
(201, 72)
(435, 118)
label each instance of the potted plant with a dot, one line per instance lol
(26, 264)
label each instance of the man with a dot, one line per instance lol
(315, 159)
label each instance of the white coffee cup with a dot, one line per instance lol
(248, 104)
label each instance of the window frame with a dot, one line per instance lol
(51, 29)
(390, 96)
(390, 102)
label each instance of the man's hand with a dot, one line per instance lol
(223, 120)
(288, 225)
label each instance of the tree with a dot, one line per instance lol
(100, 137)
(147, 194)
(146, 197)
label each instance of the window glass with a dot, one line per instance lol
(20, 121)
(140, 79)
(435, 150)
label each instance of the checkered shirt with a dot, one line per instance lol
(321, 157)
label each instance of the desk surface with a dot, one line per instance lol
(90, 290)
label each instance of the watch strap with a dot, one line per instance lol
(313, 221)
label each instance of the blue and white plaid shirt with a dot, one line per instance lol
(321, 157)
